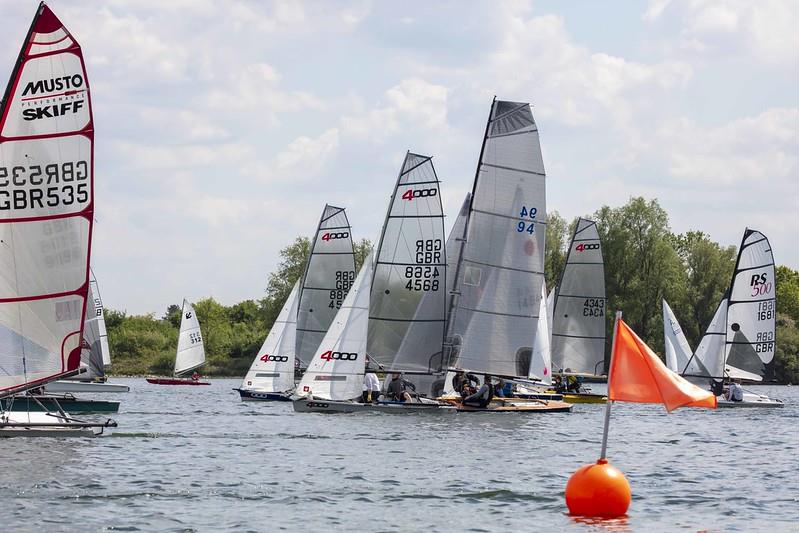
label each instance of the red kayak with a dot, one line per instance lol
(176, 381)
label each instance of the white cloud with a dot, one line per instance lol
(303, 158)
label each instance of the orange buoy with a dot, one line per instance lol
(598, 490)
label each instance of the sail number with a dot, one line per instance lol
(594, 307)
(44, 186)
(195, 337)
(765, 310)
(760, 285)
(764, 347)
(266, 358)
(332, 236)
(424, 277)
(344, 280)
(524, 225)
(338, 356)
(410, 194)
(582, 247)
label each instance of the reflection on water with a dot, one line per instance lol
(201, 459)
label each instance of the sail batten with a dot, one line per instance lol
(328, 276)
(46, 126)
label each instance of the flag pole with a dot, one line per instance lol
(603, 453)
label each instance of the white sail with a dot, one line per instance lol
(541, 361)
(191, 353)
(751, 314)
(95, 355)
(272, 369)
(500, 269)
(328, 276)
(708, 359)
(336, 371)
(678, 351)
(578, 328)
(407, 306)
(46, 207)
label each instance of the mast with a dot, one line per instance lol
(454, 296)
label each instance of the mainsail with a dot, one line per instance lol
(408, 296)
(500, 268)
(273, 367)
(751, 313)
(328, 276)
(46, 207)
(95, 355)
(708, 359)
(191, 353)
(578, 328)
(336, 371)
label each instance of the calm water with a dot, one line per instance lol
(198, 459)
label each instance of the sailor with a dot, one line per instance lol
(483, 396)
(736, 392)
(396, 389)
(195, 376)
(461, 379)
(371, 387)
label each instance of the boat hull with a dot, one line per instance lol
(516, 405)
(50, 403)
(585, 398)
(305, 405)
(755, 401)
(66, 385)
(175, 381)
(259, 396)
(40, 424)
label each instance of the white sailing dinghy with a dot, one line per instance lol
(95, 355)
(740, 341)
(494, 313)
(313, 303)
(578, 313)
(47, 144)
(405, 296)
(271, 376)
(190, 353)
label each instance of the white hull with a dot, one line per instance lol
(751, 400)
(41, 425)
(84, 386)
(306, 405)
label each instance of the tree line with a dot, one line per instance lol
(645, 262)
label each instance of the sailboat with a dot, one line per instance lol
(191, 352)
(95, 355)
(47, 144)
(739, 343)
(578, 313)
(494, 311)
(404, 295)
(271, 376)
(313, 303)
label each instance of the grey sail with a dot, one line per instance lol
(408, 297)
(500, 269)
(94, 335)
(708, 359)
(578, 329)
(750, 331)
(328, 276)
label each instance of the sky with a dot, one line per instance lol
(223, 127)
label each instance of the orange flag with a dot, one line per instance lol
(638, 375)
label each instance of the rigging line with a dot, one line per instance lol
(414, 167)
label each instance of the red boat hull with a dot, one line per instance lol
(175, 381)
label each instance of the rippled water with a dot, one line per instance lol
(197, 458)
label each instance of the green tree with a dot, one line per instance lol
(362, 249)
(557, 243)
(788, 292)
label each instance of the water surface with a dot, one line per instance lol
(198, 459)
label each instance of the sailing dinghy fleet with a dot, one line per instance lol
(434, 316)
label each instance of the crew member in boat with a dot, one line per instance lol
(371, 387)
(396, 389)
(195, 376)
(483, 396)
(462, 380)
(735, 393)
